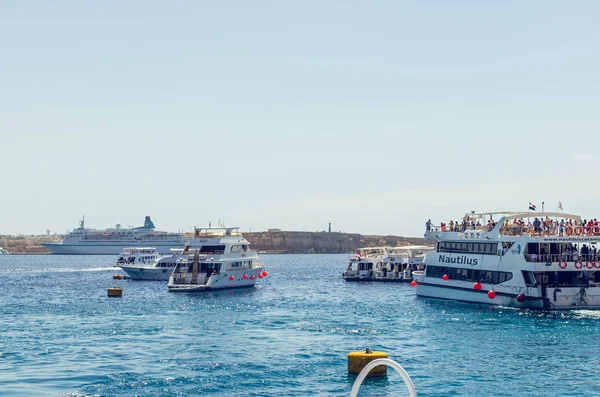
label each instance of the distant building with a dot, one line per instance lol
(274, 230)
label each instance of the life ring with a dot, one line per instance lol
(588, 230)
(578, 231)
(589, 265)
(578, 265)
(563, 264)
(596, 230)
(597, 264)
(569, 230)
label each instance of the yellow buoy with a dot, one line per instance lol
(117, 276)
(358, 360)
(115, 292)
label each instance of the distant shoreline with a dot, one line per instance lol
(269, 242)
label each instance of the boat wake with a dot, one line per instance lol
(58, 270)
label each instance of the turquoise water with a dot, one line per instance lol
(289, 336)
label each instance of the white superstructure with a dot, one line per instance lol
(146, 263)
(362, 264)
(216, 258)
(546, 261)
(84, 241)
(400, 262)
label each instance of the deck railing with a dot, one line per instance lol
(557, 258)
(518, 230)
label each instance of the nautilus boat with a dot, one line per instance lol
(551, 263)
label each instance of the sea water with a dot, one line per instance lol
(60, 335)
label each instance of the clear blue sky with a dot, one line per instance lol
(374, 116)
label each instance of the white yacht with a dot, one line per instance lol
(362, 264)
(548, 264)
(85, 241)
(216, 258)
(147, 263)
(400, 262)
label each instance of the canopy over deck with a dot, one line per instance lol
(543, 215)
(216, 231)
(473, 214)
(412, 247)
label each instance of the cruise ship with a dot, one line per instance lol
(84, 241)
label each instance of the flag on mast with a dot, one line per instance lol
(560, 206)
(531, 206)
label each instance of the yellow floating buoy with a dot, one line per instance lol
(117, 276)
(358, 360)
(115, 292)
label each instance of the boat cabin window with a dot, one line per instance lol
(529, 278)
(212, 249)
(468, 248)
(205, 267)
(557, 252)
(239, 248)
(483, 276)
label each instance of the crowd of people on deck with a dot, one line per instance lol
(461, 226)
(564, 227)
(539, 226)
(570, 253)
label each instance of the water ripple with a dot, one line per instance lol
(289, 336)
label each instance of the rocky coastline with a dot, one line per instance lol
(287, 242)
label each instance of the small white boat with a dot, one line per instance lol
(363, 262)
(146, 264)
(400, 262)
(3, 251)
(216, 258)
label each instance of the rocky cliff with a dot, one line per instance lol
(276, 242)
(321, 242)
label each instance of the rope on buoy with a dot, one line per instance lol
(390, 363)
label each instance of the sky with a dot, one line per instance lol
(374, 116)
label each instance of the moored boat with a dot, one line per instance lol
(362, 264)
(400, 262)
(551, 263)
(216, 258)
(147, 263)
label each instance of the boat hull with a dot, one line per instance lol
(392, 280)
(472, 296)
(202, 288)
(358, 279)
(220, 281)
(147, 273)
(107, 249)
